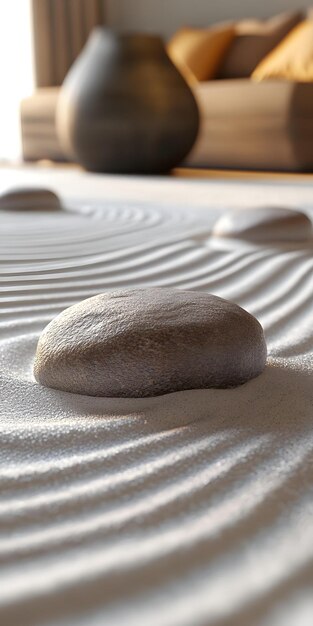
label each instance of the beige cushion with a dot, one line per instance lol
(253, 41)
(292, 59)
(199, 52)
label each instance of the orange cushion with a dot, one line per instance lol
(292, 59)
(200, 50)
(254, 39)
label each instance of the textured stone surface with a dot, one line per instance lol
(265, 224)
(29, 199)
(148, 342)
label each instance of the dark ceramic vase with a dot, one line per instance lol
(125, 108)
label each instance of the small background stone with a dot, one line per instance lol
(30, 199)
(264, 224)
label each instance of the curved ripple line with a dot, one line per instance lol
(104, 498)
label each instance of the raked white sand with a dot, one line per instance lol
(182, 510)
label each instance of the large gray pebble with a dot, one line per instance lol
(29, 199)
(264, 224)
(147, 342)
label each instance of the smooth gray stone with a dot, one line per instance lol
(29, 199)
(264, 224)
(148, 342)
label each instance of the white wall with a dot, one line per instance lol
(165, 16)
(16, 71)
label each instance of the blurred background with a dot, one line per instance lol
(166, 16)
(40, 39)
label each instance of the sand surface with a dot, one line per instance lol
(188, 509)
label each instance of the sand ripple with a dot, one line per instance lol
(188, 509)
